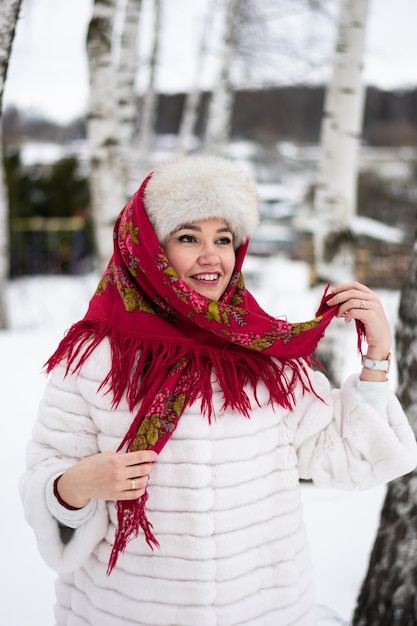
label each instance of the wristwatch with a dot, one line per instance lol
(373, 364)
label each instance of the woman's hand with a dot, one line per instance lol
(358, 302)
(107, 476)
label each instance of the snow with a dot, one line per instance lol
(341, 525)
(377, 230)
(34, 152)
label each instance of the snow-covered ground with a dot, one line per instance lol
(341, 525)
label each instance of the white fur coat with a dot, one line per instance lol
(224, 500)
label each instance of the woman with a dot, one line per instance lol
(162, 478)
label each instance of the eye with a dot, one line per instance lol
(186, 238)
(224, 241)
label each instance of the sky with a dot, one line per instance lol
(341, 525)
(48, 68)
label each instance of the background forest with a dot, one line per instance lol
(316, 98)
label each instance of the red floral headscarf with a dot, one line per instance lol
(166, 340)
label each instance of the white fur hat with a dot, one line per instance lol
(199, 187)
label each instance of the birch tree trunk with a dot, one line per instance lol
(221, 106)
(335, 197)
(9, 13)
(193, 98)
(108, 186)
(389, 591)
(150, 98)
(127, 70)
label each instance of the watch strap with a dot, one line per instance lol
(375, 364)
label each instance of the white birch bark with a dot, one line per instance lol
(221, 105)
(335, 197)
(108, 187)
(193, 97)
(4, 239)
(150, 98)
(126, 75)
(9, 12)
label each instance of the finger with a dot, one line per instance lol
(138, 471)
(364, 304)
(358, 304)
(351, 286)
(350, 291)
(136, 485)
(140, 480)
(355, 307)
(122, 476)
(140, 456)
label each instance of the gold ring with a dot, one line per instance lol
(362, 304)
(133, 487)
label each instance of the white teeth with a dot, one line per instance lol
(207, 277)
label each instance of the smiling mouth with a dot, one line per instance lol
(207, 277)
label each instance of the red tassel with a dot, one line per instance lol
(131, 516)
(360, 329)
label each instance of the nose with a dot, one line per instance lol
(209, 256)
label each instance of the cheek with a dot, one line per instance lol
(230, 263)
(179, 261)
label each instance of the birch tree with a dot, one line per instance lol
(389, 590)
(107, 182)
(221, 105)
(335, 197)
(9, 13)
(150, 98)
(126, 75)
(336, 187)
(193, 98)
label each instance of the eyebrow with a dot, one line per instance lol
(224, 229)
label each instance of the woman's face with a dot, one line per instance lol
(203, 255)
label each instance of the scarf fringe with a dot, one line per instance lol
(131, 516)
(361, 336)
(140, 366)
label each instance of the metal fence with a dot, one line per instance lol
(49, 246)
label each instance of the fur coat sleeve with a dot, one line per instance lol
(63, 434)
(350, 439)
